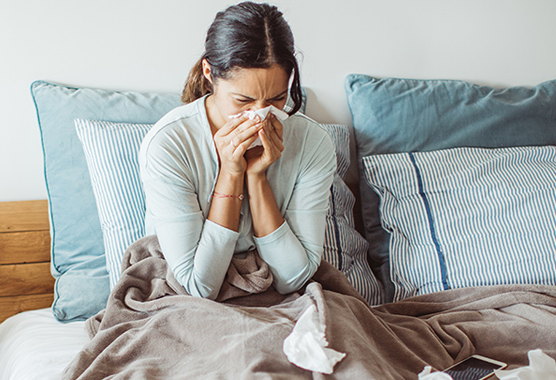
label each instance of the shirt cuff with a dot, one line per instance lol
(273, 236)
(214, 233)
(286, 257)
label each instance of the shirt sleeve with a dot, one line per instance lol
(294, 251)
(197, 250)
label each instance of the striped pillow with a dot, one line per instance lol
(344, 247)
(111, 151)
(467, 216)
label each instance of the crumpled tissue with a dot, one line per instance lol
(427, 374)
(306, 346)
(263, 114)
(541, 367)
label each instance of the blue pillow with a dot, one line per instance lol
(467, 217)
(394, 115)
(78, 261)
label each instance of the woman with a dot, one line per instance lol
(209, 194)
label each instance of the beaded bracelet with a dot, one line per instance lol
(220, 195)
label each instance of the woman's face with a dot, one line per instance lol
(247, 90)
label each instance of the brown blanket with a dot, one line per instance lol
(151, 328)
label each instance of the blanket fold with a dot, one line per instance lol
(246, 275)
(152, 329)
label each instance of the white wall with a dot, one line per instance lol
(150, 45)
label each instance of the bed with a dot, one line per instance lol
(454, 253)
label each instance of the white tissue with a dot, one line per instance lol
(428, 375)
(263, 114)
(306, 345)
(541, 367)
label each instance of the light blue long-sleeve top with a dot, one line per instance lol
(179, 168)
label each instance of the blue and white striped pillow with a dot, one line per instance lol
(344, 247)
(111, 151)
(467, 216)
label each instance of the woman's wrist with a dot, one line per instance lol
(229, 183)
(216, 194)
(231, 174)
(256, 185)
(264, 210)
(226, 200)
(255, 179)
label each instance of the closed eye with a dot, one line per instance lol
(242, 98)
(245, 99)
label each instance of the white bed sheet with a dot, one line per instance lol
(34, 345)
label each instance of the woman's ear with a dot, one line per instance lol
(206, 70)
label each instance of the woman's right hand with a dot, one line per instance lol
(233, 140)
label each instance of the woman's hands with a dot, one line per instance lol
(233, 140)
(260, 158)
(240, 164)
(265, 213)
(235, 137)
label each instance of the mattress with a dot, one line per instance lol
(34, 345)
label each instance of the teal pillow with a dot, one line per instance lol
(77, 256)
(394, 115)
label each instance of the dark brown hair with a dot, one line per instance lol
(246, 35)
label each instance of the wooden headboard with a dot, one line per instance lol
(25, 279)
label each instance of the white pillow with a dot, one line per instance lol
(467, 216)
(111, 151)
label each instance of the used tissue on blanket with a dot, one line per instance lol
(263, 114)
(306, 346)
(427, 374)
(541, 367)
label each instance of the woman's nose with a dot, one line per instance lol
(260, 105)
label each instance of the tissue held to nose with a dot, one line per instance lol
(306, 346)
(263, 114)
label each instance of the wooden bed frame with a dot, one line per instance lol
(25, 279)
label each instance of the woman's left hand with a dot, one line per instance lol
(260, 158)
